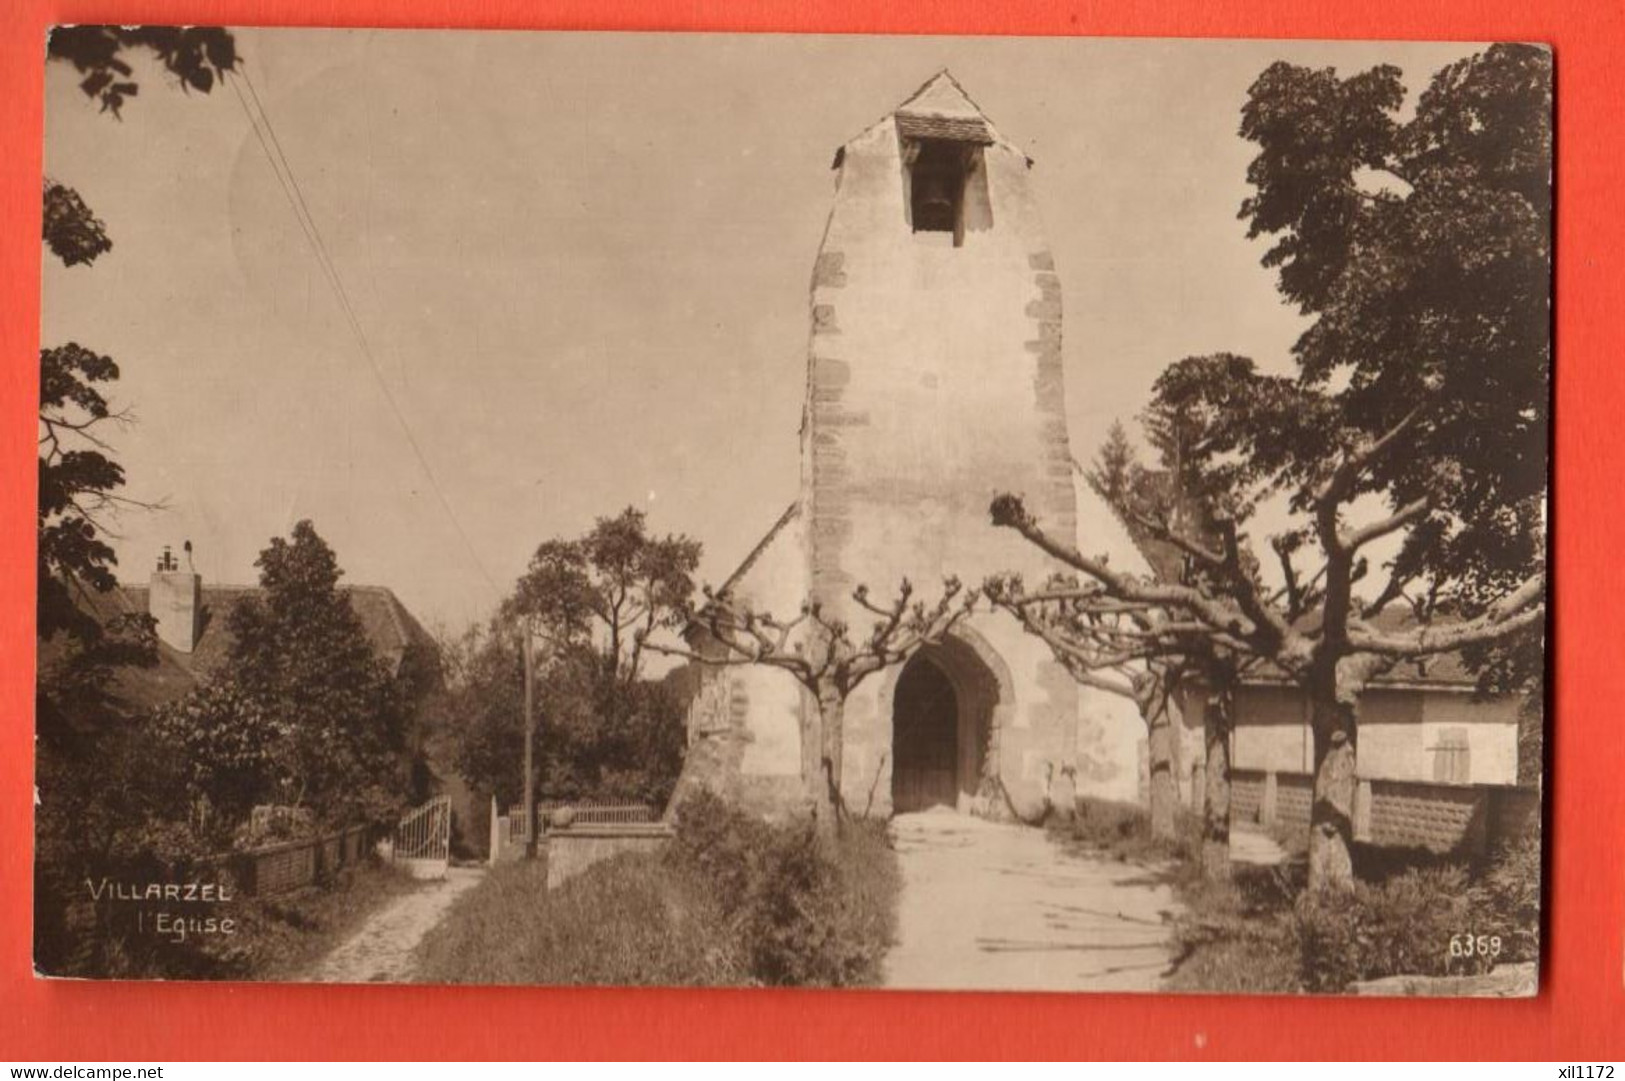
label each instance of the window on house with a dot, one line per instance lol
(1452, 757)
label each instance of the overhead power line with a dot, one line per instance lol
(260, 120)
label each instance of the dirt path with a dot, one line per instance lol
(998, 907)
(1251, 846)
(381, 952)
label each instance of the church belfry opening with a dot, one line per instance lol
(945, 176)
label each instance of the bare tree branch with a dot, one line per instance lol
(1519, 610)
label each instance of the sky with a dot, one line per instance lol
(581, 265)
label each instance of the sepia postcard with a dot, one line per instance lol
(749, 510)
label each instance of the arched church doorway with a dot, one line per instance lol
(925, 738)
(943, 705)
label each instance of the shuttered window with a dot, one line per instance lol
(1452, 757)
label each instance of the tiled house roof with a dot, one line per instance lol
(1444, 670)
(389, 627)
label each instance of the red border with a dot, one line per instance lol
(1580, 1015)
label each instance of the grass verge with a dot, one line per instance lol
(288, 934)
(1260, 931)
(731, 902)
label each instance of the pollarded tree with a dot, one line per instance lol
(1148, 654)
(1187, 495)
(1417, 419)
(1137, 651)
(1313, 627)
(822, 654)
(1111, 646)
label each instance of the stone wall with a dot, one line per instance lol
(1465, 820)
(571, 851)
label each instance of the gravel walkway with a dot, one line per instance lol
(988, 906)
(381, 952)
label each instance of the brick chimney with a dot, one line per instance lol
(175, 600)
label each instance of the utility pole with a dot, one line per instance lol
(530, 742)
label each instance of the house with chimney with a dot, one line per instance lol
(194, 639)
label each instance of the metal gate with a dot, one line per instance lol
(423, 839)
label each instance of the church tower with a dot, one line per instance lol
(934, 382)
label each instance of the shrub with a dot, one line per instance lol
(722, 843)
(1509, 896)
(1124, 830)
(808, 912)
(814, 919)
(1403, 925)
(629, 920)
(731, 901)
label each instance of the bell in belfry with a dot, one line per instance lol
(935, 209)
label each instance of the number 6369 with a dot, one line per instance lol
(1475, 945)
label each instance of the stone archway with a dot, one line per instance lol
(925, 738)
(947, 705)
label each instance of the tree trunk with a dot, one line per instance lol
(821, 762)
(1217, 718)
(1160, 763)
(1334, 718)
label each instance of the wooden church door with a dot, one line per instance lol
(925, 738)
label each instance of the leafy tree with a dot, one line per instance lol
(1116, 469)
(604, 730)
(77, 485)
(632, 754)
(226, 748)
(74, 234)
(607, 590)
(303, 713)
(481, 711)
(300, 655)
(78, 479)
(1421, 389)
(109, 798)
(196, 55)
